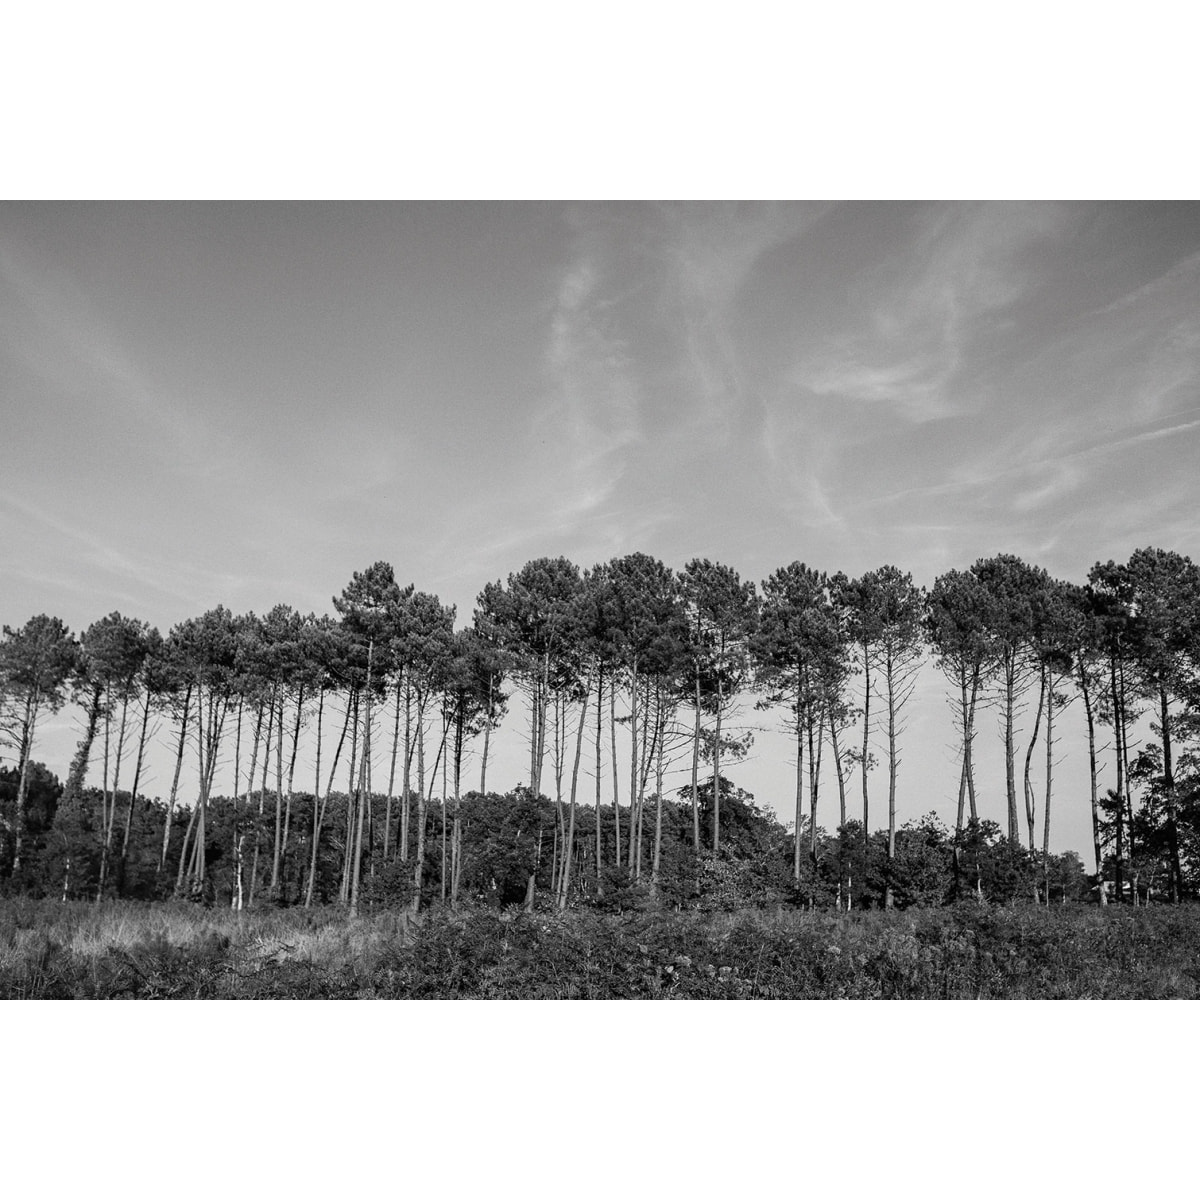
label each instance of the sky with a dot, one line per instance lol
(243, 403)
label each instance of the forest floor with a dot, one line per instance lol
(179, 951)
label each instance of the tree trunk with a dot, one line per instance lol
(612, 727)
(364, 786)
(1049, 778)
(183, 724)
(799, 782)
(696, 770)
(1095, 799)
(888, 897)
(1175, 889)
(137, 776)
(717, 757)
(28, 725)
(566, 872)
(406, 798)
(387, 816)
(1010, 776)
(866, 747)
(317, 806)
(487, 733)
(1030, 814)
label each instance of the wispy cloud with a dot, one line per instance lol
(906, 340)
(78, 356)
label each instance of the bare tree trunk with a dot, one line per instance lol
(110, 810)
(1049, 779)
(696, 770)
(387, 816)
(291, 781)
(839, 770)
(187, 697)
(866, 747)
(277, 850)
(660, 738)
(405, 799)
(262, 800)
(814, 780)
(137, 776)
(799, 783)
(1010, 777)
(1118, 729)
(487, 735)
(566, 872)
(599, 732)
(1095, 798)
(364, 789)
(717, 759)
(888, 897)
(318, 812)
(1030, 815)
(612, 726)
(28, 726)
(1175, 881)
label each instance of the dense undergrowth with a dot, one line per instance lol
(126, 950)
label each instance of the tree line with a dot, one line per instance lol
(671, 657)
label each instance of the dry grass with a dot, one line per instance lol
(178, 950)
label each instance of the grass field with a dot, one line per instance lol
(165, 951)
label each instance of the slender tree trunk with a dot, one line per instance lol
(1010, 777)
(110, 811)
(633, 765)
(1118, 730)
(277, 849)
(291, 781)
(1125, 758)
(969, 744)
(364, 786)
(318, 812)
(262, 800)
(839, 770)
(612, 727)
(660, 738)
(696, 770)
(183, 724)
(72, 797)
(888, 896)
(1030, 814)
(406, 797)
(28, 726)
(566, 872)
(487, 734)
(717, 757)
(799, 779)
(351, 805)
(866, 747)
(387, 816)
(1049, 779)
(1175, 888)
(137, 776)
(814, 780)
(599, 769)
(1095, 797)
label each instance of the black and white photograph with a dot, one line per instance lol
(515, 506)
(601, 600)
